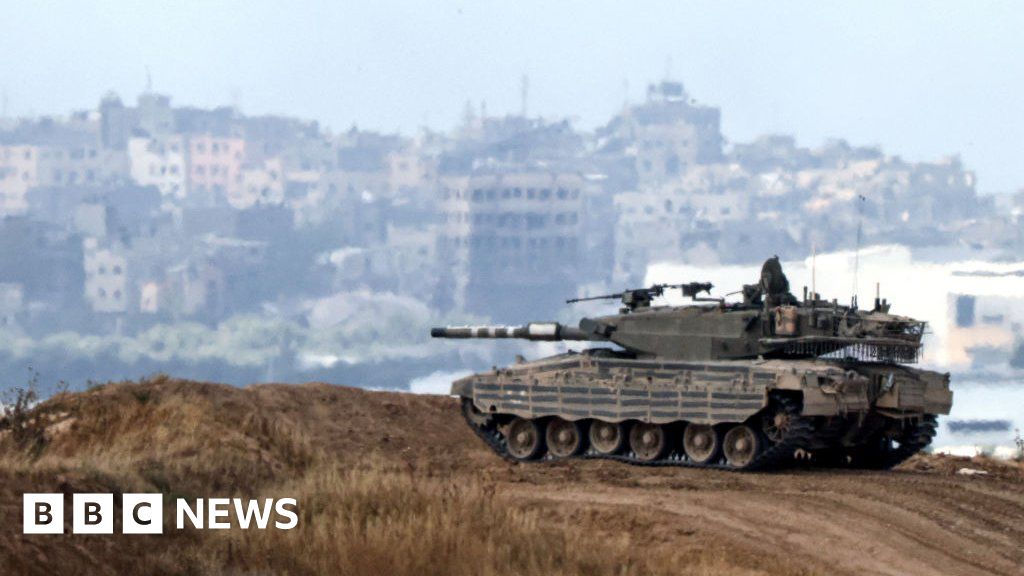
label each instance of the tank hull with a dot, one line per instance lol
(842, 409)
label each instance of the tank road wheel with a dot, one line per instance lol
(648, 441)
(525, 439)
(776, 425)
(740, 446)
(565, 438)
(700, 442)
(607, 438)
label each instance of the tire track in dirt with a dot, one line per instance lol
(834, 521)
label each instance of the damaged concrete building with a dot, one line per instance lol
(510, 236)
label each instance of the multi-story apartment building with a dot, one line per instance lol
(154, 115)
(106, 283)
(215, 165)
(667, 134)
(19, 171)
(262, 184)
(678, 220)
(160, 162)
(510, 237)
(85, 164)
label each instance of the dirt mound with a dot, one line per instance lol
(396, 483)
(204, 436)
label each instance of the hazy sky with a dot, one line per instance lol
(923, 79)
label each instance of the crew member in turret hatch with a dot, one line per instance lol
(773, 287)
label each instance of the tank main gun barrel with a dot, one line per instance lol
(543, 331)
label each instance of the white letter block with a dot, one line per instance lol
(92, 514)
(142, 514)
(43, 514)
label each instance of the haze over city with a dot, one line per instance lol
(921, 79)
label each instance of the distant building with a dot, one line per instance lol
(154, 114)
(667, 134)
(234, 263)
(986, 329)
(262, 183)
(19, 171)
(504, 216)
(215, 166)
(45, 260)
(512, 238)
(485, 142)
(106, 283)
(116, 122)
(680, 220)
(196, 287)
(772, 152)
(160, 162)
(351, 202)
(85, 164)
(405, 265)
(408, 169)
(221, 121)
(277, 136)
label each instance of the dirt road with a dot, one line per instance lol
(922, 518)
(901, 522)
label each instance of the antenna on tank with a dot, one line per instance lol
(814, 284)
(856, 251)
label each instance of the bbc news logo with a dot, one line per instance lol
(144, 513)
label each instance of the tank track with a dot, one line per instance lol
(799, 437)
(880, 456)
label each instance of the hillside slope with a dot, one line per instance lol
(396, 483)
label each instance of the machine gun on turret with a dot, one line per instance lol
(769, 323)
(642, 297)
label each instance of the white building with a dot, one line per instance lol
(19, 171)
(160, 162)
(106, 286)
(262, 184)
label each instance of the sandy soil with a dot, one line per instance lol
(922, 518)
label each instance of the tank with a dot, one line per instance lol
(762, 382)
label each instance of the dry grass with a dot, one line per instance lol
(177, 437)
(369, 513)
(380, 520)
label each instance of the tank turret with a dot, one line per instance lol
(748, 384)
(768, 323)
